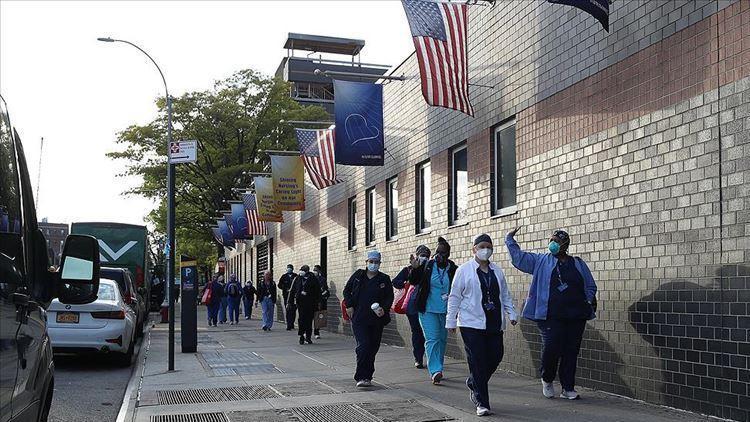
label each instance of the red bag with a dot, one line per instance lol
(401, 298)
(206, 296)
(343, 310)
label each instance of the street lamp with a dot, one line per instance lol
(170, 203)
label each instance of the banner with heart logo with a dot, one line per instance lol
(226, 234)
(288, 173)
(264, 197)
(359, 123)
(239, 221)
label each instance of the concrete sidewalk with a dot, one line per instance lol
(242, 374)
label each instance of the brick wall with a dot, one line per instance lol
(624, 153)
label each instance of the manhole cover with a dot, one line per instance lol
(303, 389)
(193, 417)
(209, 395)
(405, 411)
(332, 413)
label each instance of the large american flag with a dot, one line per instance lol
(439, 34)
(317, 148)
(254, 226)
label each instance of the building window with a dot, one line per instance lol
(352, 223)
(504, 157)
(424, 197)
(370, 216)
(391, 208)
(459, 195)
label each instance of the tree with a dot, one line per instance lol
(232, 122)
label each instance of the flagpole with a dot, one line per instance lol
(331, 74)
(278, 152)
(306, 122)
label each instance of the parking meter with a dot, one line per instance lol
(188, 304)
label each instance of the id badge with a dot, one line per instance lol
(562, 287)
(304, 293)
(489, 306)
(445, 297)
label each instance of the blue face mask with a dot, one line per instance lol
(554, 247)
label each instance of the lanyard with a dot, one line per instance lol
(485, 280)
(441, 275)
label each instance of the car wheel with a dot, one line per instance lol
(47, 405)
(124, 359)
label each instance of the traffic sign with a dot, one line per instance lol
(183, 152)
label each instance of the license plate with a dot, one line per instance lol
(67, 317)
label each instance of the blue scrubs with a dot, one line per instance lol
(433, 319)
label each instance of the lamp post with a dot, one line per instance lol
(169, 285)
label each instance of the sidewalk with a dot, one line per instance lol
(242, 374)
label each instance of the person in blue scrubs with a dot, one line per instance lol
(562, 297)
(433, 279)
(422, 254)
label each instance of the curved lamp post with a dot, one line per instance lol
(169, 285)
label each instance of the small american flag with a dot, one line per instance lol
(317, 148)
(439, 34)
(254, 226)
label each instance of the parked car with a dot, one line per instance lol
(27, 287)
(106, 325)
(129, 293)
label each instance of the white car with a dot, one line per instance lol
(106, 325)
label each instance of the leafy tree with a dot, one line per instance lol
(232, 122)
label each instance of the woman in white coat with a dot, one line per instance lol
(477, 302)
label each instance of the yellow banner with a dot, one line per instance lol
(267, 209)
(288, 182)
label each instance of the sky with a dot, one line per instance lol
(77, 93)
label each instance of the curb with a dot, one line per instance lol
(129, 402)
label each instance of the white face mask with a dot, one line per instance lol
(422, 260)
(373, 268)
(484, 254)
(302, 273)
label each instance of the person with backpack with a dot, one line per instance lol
(212, 305)
(433, 279)
(324, 295)
(234, 297)
(368, 295)
(221, 293)
(305, 296)
(478, 302)
(400, 282)
(248, 293)
(266, 295)
(285, 284)
(562, 297)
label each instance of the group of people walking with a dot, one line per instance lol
(224, 300)
(305, 296)
(474, 298)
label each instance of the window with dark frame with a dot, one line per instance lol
(459, 187)
(424, 197)
(370, 216)
(504, 166)
(391, 208)
(352, 211)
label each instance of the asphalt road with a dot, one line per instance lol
(88, 388)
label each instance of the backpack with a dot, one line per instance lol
(233, 290)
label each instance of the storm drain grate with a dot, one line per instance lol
(332, 413)
(192, 417)
(222, 363)
(404, 411)
(210, 395)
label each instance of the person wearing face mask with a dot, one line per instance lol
(324, 295)
(248, 294)
(285, 284)
(562, 297)
(369, 297)
(305, 296)
(266, 295)
(433, 279)
(421, 255)
(477, 304)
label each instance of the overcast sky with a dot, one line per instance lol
(77, 93)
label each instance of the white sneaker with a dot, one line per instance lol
(548, 389)
(231, 322)
(364, 383)
(482, 411)
(570, 395)
(317, 336)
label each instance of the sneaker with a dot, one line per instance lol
(437, 377)
(247, 317)
(317, 336)
(418, 365)
(231, 322)
(361, 383)
(548, 389)
(482, 411)
(367, 383)
(265, 328)
(301, 340)
(308, 340)
(570, 395)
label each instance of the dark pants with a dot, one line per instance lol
(234, 308)
(247, 305)
(484, 352)
(561, 341)
(368, 343)
(306, 316)
(417, 337)
(290, 312)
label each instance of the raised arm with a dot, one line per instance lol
(524, 261)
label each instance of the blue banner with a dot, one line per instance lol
(226, 235)
(239, 221)
(596, 8)
(359, 123)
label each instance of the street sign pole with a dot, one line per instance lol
(170, 234)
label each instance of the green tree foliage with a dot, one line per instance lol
(233, 122)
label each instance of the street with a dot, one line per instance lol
(88, 388)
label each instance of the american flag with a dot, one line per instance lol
(317, 151)
(439, 34)
(254, 226)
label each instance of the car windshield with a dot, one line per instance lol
(116, 275)
(107, 291)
